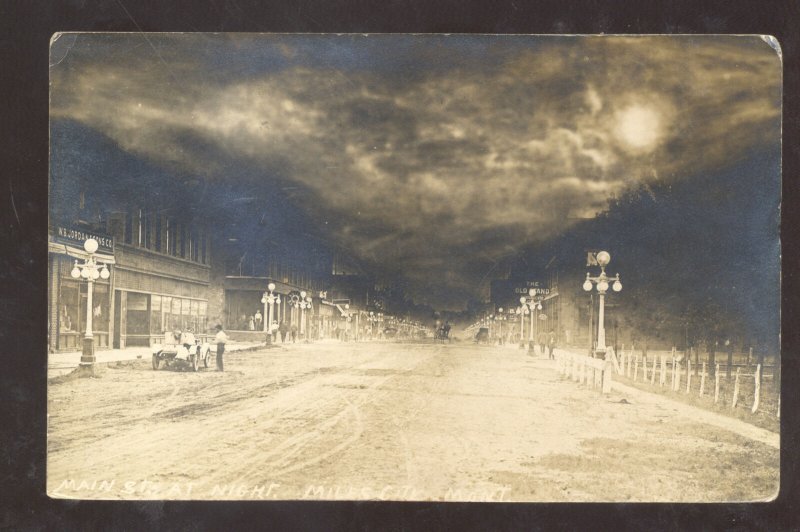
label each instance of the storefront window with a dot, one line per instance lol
(175, 318)
(203, 325)
(166, 307)
(185, 314)
(73, 303)
(100, 304)
(155, 315)
(70, 311)
(149, 315)
(138, 319)
(193, 314)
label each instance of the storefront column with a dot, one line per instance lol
(111, 315)
(123, 317)
(55, 268)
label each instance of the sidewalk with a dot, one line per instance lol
(63, 363)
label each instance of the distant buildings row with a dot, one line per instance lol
(180, 261)
(567, 310)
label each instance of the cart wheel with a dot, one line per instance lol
(207, 359)
(156, 361)
(195, 362)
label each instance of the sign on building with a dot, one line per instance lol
(76, 238)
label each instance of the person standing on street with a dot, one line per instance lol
(220, 339)
(551, 344)
(294, 333)
(283, 329)
(258, 320)
(542, 341)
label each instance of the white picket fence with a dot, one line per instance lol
(583, 369)
(678, 369)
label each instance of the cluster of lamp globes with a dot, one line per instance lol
(89, 270)
(603, 258)
(304, 301)
(269, 297)
(525, 304)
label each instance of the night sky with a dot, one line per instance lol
(434, 158)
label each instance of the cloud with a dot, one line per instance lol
(501, 146)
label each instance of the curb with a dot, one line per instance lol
(71, 369)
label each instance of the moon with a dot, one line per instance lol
(639, 127)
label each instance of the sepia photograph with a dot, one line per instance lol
(407, 267)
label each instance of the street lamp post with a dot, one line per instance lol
(602, 280)
(308, 306)
(522, 310)
(532, 304)
(303, 304)
(269, 299)
(501, 317)
(90, 271)
(347, 321)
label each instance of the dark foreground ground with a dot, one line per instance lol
(387, 421)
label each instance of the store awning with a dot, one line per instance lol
(77, 253)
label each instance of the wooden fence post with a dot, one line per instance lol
(757, 395)
(677, 375)
(607, 371)
(703, 380)
(716, 385)
(736, 389)
(653, 375)
(614, 358)
(632, 350)
(688, 374)
(635, 368)
(663, 378)
(628, 365)
(672, 382)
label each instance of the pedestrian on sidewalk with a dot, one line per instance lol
(258, 320)
(283, 329)
(220, 339)
(294, 333)
(551, 344)
(542, 341)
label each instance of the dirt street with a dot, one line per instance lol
(386, 421)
